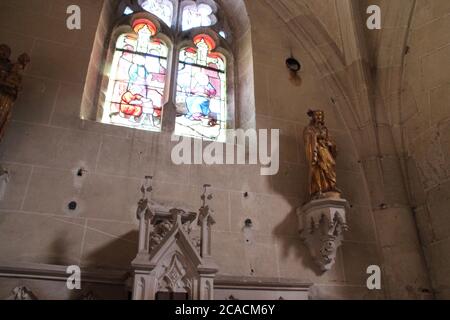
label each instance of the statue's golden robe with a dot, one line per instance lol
(320, 156)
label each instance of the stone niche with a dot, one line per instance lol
(174, 258)
(322, 223)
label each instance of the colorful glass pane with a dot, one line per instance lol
(201, 92)
(163, 9)
(135, 95)
(128, 11)
(200, 15)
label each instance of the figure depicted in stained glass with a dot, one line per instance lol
(198, 104)
(131, 105)
(137, 79)
(138, 76)
(321, 155)
(201, 89)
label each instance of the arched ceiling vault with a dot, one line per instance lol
(333, 55)
(350, 45)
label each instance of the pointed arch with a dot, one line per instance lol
(157, 109)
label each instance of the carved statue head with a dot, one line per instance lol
(317, 116)
(23, 60)
(5, 52)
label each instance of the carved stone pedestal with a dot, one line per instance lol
(321, 225)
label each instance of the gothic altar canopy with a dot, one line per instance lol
(174, 258)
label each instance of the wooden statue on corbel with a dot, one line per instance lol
(322, 220)
(10, 85)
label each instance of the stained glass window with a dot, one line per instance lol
(139, 74)
(201, 91)
(163, 9)
(128, 11)
(135, 95)
(198, 15)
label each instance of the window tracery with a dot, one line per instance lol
(141, 81)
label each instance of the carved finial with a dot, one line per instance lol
(205, 211)
(204, 196)
(146, 190)
(147, 187)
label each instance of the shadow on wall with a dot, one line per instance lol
(115, 253)
(296, 247)
(58, 253)
(290, 183)
(92, 291)
(277, 212)
(293, 246)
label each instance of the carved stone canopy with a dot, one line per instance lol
(173, 252)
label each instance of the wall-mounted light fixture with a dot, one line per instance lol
(293, 64)
(294, 67)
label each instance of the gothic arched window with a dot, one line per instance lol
(135, 95)
(169, 69)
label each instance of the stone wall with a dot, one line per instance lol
(47, 144)
(424, 121)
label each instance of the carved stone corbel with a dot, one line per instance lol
(322, 224)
